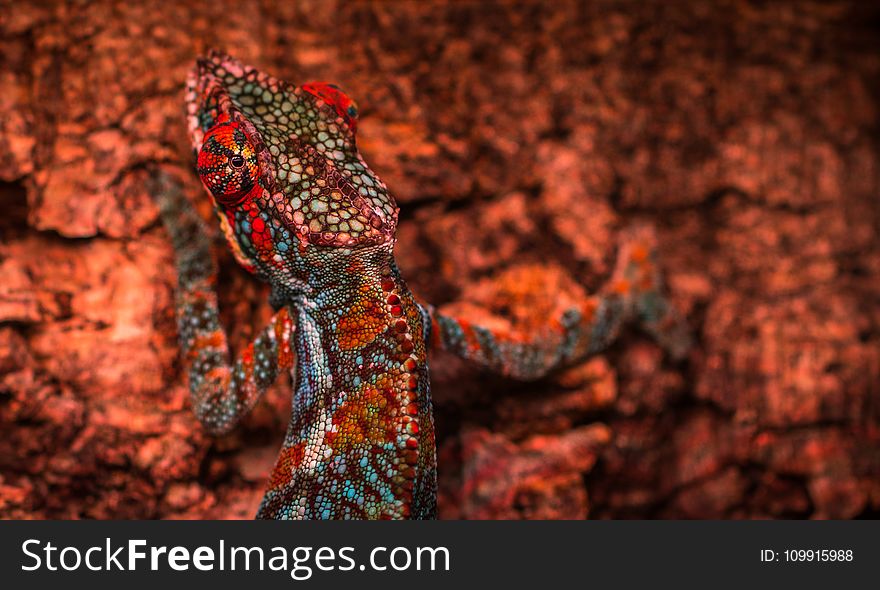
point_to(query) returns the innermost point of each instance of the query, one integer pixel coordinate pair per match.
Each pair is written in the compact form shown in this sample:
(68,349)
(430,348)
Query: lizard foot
(638,279)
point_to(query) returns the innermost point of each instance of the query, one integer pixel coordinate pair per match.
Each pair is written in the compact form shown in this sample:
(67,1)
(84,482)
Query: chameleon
(301,210)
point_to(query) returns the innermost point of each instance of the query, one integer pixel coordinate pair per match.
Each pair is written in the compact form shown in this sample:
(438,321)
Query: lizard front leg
(222,393)
(635,292)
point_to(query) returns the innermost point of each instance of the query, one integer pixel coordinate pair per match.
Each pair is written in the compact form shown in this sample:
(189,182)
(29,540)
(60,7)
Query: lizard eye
(227,164)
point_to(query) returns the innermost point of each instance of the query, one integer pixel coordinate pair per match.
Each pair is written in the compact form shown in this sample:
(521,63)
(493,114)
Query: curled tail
(638,280)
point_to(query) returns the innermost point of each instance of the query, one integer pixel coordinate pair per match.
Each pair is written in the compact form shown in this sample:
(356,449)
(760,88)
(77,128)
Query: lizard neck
(361,438)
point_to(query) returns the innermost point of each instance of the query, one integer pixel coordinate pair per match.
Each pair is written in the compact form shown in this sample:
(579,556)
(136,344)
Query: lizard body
(302,211)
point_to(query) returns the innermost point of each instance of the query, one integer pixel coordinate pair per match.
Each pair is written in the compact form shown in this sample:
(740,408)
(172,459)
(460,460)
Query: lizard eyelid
(227,164)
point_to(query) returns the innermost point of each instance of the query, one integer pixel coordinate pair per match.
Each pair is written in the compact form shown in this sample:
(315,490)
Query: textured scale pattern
(227,164)
(301,210)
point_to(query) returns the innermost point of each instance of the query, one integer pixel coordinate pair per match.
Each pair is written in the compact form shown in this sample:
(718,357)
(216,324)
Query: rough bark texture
(517,139)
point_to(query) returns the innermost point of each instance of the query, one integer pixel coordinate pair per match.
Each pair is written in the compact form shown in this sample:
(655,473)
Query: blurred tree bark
(517,140)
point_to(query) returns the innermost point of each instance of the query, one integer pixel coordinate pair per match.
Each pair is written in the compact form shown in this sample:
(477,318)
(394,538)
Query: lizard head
(282,165)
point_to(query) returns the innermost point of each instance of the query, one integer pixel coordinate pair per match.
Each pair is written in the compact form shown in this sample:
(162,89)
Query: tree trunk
(517,141)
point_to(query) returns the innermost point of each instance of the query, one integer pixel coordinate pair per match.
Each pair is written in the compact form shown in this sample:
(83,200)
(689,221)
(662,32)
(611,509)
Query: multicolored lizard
(302,211)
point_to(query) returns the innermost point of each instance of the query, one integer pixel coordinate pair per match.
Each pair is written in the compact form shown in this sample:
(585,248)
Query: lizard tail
(638,280)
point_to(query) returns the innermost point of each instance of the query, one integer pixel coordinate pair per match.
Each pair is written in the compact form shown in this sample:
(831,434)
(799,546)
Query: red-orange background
(517,138)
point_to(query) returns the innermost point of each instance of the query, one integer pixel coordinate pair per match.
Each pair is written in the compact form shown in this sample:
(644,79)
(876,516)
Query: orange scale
(639,253)
(291,458)
(621,287)
(363,323)
(364,417)
(470,336)
(213,340)
(588,310)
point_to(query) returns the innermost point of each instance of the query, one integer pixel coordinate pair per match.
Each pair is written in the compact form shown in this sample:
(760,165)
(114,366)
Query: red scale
(335,97)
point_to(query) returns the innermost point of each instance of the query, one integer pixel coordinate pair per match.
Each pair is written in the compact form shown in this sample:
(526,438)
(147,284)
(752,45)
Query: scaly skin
(302,211)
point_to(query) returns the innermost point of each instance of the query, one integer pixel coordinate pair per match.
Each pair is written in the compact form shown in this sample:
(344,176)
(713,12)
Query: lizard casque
(302,211)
